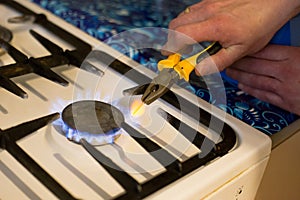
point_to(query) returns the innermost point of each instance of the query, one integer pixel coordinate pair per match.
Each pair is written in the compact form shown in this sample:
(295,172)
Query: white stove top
(71,165)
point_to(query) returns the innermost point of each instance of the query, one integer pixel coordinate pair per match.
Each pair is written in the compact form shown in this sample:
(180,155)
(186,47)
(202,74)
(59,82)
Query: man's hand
(241,27)
(272,75)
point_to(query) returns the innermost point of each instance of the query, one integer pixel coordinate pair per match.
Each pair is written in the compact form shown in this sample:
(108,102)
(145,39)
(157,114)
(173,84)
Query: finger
(206,67)
(219,61)
(177,43)
(258,66)
(185,19)
(273,52)
(191,33)
(257,81)
(192,8)
(202,30)
(188,16)
(263,95)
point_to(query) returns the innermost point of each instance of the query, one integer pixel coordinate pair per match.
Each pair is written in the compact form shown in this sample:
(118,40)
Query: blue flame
(95,139)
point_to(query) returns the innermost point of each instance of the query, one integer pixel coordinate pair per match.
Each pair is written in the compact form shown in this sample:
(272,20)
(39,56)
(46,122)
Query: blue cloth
(283,36)
(289,34)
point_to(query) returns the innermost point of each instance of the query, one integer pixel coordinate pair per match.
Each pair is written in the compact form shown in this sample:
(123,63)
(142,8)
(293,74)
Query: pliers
(171,70)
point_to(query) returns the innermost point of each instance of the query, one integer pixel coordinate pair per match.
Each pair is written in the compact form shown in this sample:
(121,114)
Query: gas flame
(137,108)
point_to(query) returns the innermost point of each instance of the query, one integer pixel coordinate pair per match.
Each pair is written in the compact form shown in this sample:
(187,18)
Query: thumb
(217,62)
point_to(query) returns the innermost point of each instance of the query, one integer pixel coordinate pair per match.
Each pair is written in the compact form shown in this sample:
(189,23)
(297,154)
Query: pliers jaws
(159,85)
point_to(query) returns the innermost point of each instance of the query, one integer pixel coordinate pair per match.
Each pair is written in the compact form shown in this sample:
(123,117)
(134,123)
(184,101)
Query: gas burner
(95,121)
(5,35)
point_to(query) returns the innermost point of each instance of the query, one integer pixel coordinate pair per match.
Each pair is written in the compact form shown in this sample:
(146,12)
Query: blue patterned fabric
(105,18)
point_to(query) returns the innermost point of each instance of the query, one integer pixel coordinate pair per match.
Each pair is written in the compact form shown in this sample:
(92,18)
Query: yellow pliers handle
(186,66)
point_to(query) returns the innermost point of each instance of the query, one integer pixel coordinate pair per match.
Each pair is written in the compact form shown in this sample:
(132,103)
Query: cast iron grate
(41,65)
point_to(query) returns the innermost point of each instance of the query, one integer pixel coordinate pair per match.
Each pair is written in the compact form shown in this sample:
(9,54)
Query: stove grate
(42,65)
(175,169)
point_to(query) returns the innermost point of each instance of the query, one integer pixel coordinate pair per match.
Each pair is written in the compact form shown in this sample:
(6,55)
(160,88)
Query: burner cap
(97,122)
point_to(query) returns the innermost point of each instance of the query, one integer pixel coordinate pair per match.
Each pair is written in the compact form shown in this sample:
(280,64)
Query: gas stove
(68,130)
